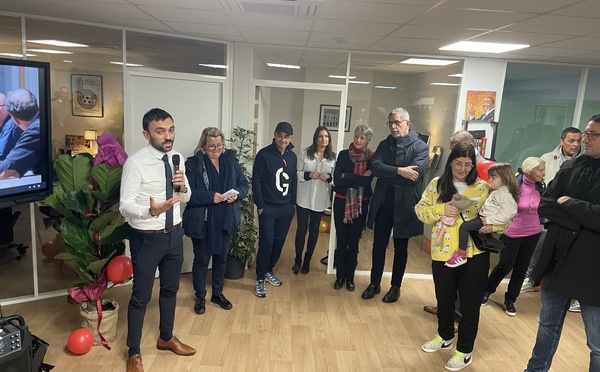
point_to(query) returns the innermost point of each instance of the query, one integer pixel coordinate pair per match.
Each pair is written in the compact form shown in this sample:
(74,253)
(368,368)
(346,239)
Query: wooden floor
(305,325)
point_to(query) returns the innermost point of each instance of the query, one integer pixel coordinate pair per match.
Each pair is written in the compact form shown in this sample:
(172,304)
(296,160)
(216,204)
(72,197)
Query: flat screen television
(25,136)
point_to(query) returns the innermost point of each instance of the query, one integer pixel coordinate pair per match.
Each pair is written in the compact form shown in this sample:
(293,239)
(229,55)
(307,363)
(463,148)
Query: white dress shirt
(314,194)
(144,176)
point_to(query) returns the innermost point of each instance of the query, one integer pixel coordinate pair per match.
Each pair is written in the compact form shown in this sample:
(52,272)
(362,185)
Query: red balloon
(482,169)
(48,250)
(119,269)
(427,246)
(80,341)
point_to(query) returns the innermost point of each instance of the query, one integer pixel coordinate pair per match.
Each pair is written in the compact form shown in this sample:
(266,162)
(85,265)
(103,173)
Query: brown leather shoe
(134,363)
(430,309)
(175,346)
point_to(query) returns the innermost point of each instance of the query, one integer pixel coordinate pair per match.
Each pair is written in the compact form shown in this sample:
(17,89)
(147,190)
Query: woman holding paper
(213,212)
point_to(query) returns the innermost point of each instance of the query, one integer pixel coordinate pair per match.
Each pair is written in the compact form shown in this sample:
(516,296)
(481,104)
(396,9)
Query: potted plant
(85,212)
(243,242)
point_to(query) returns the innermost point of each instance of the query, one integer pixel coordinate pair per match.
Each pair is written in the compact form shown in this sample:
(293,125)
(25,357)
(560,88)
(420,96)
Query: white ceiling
(559,31)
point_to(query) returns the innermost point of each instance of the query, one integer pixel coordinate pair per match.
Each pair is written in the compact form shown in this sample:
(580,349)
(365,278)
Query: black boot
(305,266)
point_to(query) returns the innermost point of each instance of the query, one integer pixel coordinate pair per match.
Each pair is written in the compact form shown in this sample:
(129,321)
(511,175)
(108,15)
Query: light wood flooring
(305,325)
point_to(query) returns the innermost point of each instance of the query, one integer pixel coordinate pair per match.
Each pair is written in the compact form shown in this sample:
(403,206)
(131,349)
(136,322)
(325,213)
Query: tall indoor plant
(86,214)
(243,242)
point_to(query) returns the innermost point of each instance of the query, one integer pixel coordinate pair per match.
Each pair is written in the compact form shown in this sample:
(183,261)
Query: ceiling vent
(301,8)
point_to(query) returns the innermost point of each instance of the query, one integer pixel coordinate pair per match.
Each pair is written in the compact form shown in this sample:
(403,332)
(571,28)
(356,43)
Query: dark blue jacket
(194,215)
(274,177)
(391,154)
(27,153)
(9,136)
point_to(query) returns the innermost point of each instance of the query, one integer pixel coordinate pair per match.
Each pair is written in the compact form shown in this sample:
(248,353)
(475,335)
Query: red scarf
(354,197)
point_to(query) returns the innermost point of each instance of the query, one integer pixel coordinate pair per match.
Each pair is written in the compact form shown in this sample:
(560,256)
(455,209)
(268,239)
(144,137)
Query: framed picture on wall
(330,117)
(485,136)
(87,95)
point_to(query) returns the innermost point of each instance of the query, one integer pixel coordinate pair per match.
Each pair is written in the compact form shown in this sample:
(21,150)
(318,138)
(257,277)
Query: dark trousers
(303,216)
(469,279)
(273,226)
(384,223)
(202,254)
(348,236)
(149,252)
(463,231)
(515,256)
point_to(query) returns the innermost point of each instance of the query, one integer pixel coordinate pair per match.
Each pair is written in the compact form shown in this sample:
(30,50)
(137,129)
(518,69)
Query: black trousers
(149,252)
(273,226)
(384,223)
(348,237)
(202,255)
(515,256)
(307,220)
(469,279)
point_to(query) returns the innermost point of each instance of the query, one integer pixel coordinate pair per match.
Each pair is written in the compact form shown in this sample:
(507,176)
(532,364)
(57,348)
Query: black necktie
(169,177)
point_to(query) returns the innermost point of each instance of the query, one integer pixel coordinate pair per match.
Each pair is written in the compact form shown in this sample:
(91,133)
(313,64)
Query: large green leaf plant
(86,201)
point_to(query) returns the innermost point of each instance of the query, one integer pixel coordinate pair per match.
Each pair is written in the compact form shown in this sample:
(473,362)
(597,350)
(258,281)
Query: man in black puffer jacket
(570,258)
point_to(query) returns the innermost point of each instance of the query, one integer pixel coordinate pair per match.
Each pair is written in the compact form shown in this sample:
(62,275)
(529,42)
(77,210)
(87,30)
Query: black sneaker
(200,306)
(486,297)
(370,292)
(510,308)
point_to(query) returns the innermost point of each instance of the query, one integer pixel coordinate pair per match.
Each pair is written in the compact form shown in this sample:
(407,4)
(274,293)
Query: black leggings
(463,231)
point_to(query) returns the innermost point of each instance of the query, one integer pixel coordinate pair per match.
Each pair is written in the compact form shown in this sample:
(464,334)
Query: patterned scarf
(354,197)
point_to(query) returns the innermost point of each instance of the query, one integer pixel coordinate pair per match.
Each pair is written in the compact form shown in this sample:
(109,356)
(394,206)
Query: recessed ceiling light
(281,65)
(59,43)
(429,62)
(445,84)
(49,51)
(358,82)
(211,65)
(67,61)
(474,46)
(384,87)
(456,75)
(17,55)
(341,77)
(127,64)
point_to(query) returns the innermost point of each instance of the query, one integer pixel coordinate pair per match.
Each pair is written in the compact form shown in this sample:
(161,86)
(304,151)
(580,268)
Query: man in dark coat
(399,164)
(570,259)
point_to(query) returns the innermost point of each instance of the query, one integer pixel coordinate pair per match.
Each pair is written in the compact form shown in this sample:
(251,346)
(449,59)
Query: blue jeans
(552,317)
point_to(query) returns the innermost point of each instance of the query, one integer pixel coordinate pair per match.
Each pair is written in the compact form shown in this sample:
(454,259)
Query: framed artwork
(330,117)
(485,136)
(481,105)
(87,95)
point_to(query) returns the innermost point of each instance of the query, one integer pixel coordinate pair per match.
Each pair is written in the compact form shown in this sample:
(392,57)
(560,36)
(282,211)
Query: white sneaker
(575,307)
(436,344)
(527,286)
(459,361)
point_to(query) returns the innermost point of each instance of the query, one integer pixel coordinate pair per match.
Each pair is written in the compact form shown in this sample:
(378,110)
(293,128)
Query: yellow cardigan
(429,210)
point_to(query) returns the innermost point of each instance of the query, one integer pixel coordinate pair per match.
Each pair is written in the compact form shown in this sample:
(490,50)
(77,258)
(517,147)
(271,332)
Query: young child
(499,209)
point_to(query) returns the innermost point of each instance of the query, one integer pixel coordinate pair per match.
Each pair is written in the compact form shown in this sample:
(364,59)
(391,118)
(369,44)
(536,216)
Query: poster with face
(481,105)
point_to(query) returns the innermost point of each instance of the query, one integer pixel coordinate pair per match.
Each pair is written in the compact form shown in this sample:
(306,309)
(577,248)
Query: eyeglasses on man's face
(396,123)
(214,147)
(591,135)
(457,164)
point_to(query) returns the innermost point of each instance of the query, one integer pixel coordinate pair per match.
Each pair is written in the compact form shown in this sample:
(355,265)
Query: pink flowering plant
(85,204)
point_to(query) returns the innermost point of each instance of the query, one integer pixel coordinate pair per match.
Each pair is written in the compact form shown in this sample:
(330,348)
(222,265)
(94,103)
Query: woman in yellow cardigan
(460,176)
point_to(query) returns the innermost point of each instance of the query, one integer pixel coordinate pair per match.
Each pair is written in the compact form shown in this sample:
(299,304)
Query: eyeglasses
(591,135)
(214,147)
(396,123)
(459,165)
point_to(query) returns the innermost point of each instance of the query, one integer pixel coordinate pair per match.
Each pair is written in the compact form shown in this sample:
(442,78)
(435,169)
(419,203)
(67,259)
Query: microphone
(176,161)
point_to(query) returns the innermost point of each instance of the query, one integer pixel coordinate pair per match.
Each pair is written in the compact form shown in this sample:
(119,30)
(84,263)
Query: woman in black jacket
(352,185)
(213,212)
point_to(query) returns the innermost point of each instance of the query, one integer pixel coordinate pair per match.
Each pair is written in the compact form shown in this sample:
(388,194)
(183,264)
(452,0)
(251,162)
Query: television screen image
(25,138)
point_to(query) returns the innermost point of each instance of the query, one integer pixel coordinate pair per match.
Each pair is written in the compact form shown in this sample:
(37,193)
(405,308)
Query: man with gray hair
(399,164)
(23,107)
(465,136)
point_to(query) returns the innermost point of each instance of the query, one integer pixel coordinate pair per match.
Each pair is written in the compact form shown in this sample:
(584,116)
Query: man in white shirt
(152,208)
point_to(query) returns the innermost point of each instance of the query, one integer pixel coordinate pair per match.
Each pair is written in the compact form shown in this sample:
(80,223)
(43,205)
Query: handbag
(485,242)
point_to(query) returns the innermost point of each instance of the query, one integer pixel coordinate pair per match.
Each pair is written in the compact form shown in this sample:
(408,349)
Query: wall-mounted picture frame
(329,117)
(87,95)
(485,136)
